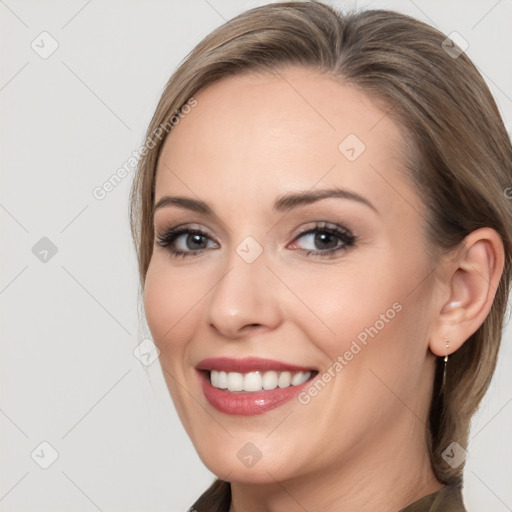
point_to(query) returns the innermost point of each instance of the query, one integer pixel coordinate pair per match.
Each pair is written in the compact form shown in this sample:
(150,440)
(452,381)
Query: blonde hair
(459,154)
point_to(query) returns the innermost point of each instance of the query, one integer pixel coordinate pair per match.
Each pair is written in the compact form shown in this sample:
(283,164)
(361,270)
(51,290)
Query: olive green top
(448,499)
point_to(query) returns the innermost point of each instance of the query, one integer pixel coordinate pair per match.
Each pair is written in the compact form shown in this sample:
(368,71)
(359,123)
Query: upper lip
(248,364)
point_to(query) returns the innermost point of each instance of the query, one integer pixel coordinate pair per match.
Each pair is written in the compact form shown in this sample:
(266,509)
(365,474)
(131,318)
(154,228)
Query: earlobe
(473,278)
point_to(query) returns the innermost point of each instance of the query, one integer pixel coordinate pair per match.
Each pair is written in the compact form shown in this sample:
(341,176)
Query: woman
(324,248)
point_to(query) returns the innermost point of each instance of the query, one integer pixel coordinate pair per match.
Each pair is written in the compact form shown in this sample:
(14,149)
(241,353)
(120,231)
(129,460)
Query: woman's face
(300,248)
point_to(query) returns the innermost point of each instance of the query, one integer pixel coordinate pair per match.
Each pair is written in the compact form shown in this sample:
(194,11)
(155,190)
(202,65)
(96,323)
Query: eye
(324,239)
(186,241)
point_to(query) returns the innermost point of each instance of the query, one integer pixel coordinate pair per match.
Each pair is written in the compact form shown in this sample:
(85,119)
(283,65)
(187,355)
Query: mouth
(252,385)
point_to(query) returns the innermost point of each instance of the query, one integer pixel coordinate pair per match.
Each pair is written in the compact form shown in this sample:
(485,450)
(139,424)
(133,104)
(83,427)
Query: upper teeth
(256,381)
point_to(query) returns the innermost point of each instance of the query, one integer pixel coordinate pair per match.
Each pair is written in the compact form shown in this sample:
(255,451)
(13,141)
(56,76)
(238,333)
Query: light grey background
(70,324)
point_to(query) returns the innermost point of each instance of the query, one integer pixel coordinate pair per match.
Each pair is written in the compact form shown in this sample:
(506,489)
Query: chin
(240,460)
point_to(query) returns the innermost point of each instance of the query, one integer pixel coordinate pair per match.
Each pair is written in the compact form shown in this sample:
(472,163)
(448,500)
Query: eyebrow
(284,203)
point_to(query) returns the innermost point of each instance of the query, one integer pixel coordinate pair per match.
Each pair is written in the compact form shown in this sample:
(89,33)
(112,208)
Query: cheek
(172,309)
(343,301)
(347,310)
(171,305)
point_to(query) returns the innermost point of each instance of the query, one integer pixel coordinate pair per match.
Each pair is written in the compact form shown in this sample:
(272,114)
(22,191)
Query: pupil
(323,240)
(195,239)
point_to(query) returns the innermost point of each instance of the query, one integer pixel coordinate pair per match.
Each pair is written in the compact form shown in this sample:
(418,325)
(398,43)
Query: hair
(458,152)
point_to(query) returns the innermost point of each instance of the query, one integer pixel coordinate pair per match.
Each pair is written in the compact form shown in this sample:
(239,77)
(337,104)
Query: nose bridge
(242,296)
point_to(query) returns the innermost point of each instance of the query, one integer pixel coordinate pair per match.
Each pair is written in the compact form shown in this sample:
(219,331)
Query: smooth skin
(359,444)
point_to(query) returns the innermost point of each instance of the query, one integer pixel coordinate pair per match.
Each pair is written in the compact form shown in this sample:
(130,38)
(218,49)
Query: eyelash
(346,237)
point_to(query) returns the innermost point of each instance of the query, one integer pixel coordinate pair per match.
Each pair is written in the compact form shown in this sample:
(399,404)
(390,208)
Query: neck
(385,476)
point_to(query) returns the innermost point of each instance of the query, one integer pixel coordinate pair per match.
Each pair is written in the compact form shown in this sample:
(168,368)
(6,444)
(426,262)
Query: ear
(470,279)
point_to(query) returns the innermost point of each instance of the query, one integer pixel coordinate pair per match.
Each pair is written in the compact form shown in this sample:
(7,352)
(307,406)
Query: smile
(251,386)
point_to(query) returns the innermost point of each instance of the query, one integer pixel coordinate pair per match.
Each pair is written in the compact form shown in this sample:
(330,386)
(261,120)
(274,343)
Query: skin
(360,443)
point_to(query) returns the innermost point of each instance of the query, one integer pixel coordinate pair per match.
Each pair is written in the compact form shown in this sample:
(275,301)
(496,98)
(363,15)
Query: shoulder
(217,498)
(447,499)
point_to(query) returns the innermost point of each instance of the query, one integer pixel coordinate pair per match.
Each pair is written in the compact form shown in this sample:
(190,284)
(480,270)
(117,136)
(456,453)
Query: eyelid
(193,226)
(319,225)
(171,220)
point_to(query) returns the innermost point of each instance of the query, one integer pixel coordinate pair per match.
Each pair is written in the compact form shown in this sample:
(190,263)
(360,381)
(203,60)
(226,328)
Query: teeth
(300,378)
(252,381)
(269,380)
(235,381)
(256,381)
(223,380)
(284,380)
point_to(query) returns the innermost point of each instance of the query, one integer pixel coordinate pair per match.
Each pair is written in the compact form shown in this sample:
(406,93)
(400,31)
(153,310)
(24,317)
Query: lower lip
(248,403)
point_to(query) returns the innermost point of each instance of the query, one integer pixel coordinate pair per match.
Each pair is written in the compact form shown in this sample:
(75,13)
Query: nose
(243,300)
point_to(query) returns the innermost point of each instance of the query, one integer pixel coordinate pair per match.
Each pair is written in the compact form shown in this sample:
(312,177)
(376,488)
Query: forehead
(252,137)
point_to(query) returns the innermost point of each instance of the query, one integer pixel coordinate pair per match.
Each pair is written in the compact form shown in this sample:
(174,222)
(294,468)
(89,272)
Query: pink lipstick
(251,385)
